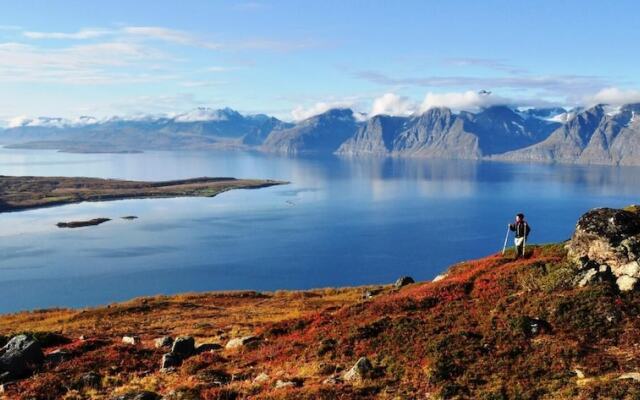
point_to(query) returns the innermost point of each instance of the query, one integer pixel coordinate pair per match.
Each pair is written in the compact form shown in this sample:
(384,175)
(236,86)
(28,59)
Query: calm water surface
(340,222)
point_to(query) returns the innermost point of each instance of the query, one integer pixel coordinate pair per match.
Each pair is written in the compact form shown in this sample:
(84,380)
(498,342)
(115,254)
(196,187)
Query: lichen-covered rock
(207,347)
(165,341)
(360,370)
(183,346)
(170,360)
(606,245)
(403,281)
(19,355)
(285,384)
(91,380)
(261,378)
(132,339)
(626,283)
(245,341)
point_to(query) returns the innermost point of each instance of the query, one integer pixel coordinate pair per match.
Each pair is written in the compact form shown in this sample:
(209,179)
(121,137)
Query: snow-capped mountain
(600,134)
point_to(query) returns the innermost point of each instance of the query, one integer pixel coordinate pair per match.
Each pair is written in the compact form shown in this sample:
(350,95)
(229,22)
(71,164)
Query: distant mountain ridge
(597,135)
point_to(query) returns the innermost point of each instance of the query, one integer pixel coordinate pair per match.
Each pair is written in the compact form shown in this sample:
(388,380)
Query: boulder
(285,384)
(170,360)
(91,380)
(19,355)
(403,281)
(630,375)
(439,277)
(606,246)
(165,341)
(626,283)
(132,340)
(261,378)
(183,346)
(360,370)
(245,341)
(207,347)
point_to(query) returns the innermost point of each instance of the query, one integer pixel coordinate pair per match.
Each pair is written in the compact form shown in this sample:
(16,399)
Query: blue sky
(296,58)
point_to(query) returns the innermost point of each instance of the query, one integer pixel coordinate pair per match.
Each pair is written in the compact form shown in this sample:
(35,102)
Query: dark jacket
(520,228)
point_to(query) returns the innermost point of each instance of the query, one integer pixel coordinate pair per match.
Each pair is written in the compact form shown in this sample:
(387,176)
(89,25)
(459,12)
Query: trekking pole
(524,240)
(504,247)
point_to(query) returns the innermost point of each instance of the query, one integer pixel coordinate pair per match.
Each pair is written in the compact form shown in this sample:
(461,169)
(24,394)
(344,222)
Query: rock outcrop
(360,370)
(245,341)
(19,356)
(606,245)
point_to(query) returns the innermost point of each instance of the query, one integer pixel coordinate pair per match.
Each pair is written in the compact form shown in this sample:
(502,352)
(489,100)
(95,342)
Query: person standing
(522,230)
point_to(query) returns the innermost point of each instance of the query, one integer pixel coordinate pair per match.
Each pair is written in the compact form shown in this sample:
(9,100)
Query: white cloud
(614,97)
(82,34)
(392,104)
(99,63)
(300,113)
(468,101)
(170,35)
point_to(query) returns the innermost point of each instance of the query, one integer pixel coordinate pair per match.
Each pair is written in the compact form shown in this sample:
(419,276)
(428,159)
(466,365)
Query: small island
(81,224)
(27,192)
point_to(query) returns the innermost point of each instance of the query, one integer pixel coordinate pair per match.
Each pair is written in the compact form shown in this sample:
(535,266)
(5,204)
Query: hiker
(522,229)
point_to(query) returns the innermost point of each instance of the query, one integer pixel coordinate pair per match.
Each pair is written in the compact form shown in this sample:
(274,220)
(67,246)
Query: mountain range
(596,135)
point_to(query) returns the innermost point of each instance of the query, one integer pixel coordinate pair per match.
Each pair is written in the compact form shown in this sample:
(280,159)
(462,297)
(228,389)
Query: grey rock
(170,360)
(285,384)
(91,380)
(360,370)
(245,341)
(403,281)
(165,341)
(261,378)
(183,346)
(131,339)
(19,355)
(609,239)
(205,347)
(588,277)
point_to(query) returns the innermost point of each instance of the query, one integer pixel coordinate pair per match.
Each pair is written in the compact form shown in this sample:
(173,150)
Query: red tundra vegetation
(494,328)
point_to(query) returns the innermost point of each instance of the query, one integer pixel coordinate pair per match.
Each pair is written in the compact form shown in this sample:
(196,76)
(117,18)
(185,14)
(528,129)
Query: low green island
(19,193)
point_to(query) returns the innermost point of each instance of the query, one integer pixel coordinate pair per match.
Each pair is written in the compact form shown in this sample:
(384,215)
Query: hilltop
(560,324)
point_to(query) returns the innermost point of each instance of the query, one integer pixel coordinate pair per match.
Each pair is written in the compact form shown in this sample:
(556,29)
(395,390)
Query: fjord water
(341,221)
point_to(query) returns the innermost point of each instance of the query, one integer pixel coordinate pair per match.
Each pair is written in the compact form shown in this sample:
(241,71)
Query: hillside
(560,324)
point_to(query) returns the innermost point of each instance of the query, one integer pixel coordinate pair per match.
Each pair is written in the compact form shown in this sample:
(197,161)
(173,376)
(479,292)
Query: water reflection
(341,221)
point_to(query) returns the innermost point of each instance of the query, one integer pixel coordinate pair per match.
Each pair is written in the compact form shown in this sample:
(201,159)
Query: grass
(470,335)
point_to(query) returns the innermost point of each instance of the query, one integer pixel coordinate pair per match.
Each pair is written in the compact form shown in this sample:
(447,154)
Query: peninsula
(26,192)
